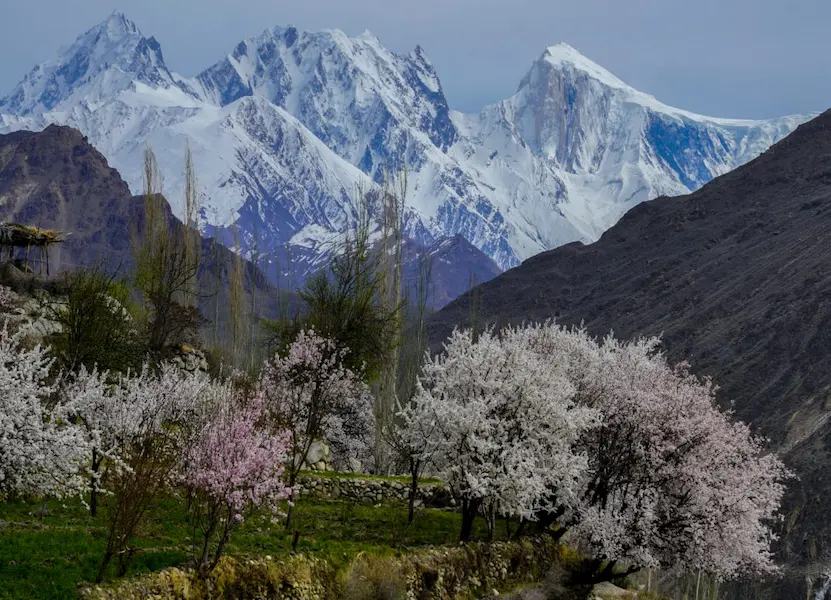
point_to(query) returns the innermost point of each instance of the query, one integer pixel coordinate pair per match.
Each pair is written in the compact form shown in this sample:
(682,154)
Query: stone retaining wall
(371,491)
(452,573)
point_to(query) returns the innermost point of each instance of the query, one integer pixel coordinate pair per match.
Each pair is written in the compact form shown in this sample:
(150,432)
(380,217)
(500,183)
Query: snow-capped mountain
(258,167)
(289,126)
(109,57)
(378,111)
(596,147)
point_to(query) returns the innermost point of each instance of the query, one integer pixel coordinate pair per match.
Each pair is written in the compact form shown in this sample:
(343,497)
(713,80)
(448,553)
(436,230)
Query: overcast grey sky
(728,58)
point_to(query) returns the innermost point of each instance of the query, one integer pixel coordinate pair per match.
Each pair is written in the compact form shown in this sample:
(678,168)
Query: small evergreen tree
(346,303)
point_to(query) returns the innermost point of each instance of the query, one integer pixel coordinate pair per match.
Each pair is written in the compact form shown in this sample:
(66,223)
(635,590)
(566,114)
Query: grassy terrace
(396,478)
(49,557)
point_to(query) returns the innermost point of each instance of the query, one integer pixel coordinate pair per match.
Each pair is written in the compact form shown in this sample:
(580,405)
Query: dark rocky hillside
(455,266)
(55,179)
(737,278)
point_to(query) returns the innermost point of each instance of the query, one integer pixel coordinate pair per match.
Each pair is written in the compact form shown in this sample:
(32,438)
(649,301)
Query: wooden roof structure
(15,235)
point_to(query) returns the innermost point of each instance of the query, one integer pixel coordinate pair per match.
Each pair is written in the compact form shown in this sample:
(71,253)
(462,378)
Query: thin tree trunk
(108,555)
(413,491)
(523,523)
(123,561)
(292,481)
(206,546)
(469,510)
(93,492)
(110,552)
(226,534)
(490,521)
(290,513)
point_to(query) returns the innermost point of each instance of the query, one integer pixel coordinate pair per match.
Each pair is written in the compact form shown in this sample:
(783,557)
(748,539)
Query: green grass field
(49,557)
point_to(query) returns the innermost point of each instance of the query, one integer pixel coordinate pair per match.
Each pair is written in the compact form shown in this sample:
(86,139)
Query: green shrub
(374,578)
(98,325)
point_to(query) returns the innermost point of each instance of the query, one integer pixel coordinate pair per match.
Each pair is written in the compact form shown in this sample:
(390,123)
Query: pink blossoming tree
(312,395)
(232,463)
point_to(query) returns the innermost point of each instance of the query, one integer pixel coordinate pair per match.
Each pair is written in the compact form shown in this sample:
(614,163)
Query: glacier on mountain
(287,128)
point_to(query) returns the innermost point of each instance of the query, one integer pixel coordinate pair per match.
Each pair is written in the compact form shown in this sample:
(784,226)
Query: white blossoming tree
(604,439)
(501,426)
(672,480)
(40,455)
(137,425)
(6,299)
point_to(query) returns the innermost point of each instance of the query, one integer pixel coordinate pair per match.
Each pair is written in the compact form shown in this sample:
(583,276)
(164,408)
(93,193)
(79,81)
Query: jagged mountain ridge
(290,123)
(55,179)
(736,278)
(243,152)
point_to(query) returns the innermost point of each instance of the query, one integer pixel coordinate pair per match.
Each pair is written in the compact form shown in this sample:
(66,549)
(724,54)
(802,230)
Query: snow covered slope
(258,166)
(577,140)
(290,124)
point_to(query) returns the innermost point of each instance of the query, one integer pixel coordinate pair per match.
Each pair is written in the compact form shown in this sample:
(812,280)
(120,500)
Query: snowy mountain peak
(368,36)
(117,26)
(562,67)
(563,55)
(108,58)
(376,109)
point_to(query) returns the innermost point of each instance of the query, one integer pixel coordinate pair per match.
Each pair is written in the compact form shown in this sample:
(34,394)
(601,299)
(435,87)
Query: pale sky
(725,58)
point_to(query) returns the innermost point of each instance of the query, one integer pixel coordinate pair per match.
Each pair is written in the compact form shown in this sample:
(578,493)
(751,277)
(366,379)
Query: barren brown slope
(737,277)
(55,179)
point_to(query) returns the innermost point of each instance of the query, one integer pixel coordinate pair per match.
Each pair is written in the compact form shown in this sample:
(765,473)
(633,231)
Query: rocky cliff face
(54,179)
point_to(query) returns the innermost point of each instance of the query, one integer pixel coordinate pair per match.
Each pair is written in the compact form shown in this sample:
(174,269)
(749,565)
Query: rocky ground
(552,591)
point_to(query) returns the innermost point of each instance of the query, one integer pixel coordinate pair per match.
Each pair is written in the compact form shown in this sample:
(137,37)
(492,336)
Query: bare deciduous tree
(167,263)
